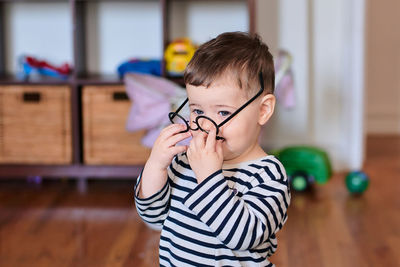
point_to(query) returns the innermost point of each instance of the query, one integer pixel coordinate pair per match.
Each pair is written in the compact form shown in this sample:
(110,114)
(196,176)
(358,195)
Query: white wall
(203,20)
(325,39)
(28,31)
(383,67)
(118,31)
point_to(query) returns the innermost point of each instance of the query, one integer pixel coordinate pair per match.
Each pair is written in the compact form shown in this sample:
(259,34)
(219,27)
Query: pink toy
(284,81)
(153,98)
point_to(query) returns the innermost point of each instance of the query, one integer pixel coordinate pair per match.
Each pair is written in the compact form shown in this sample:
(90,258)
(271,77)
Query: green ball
(357,182)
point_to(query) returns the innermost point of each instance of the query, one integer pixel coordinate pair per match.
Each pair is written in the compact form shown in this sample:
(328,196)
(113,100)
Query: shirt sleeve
(245,222)
(154,209)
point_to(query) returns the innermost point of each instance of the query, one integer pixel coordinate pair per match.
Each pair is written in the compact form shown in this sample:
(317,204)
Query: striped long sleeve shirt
(230,219)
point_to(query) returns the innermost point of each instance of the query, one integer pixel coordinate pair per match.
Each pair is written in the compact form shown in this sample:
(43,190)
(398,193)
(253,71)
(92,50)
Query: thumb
(211,139)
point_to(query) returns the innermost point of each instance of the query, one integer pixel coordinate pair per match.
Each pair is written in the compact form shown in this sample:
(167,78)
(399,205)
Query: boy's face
(218,102)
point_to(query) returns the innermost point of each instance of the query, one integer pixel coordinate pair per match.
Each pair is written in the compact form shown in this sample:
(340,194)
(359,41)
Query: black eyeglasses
(202,120)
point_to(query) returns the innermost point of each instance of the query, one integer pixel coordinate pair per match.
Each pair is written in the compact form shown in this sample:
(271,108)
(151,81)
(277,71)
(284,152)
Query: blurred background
(72,142)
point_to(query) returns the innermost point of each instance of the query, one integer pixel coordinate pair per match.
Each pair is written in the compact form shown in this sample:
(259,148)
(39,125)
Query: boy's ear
(267,106)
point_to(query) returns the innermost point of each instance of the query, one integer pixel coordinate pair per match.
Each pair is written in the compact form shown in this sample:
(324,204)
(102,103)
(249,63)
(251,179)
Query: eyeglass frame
(172,115)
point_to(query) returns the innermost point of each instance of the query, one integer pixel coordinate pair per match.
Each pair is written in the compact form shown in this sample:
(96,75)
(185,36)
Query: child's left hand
(205,154)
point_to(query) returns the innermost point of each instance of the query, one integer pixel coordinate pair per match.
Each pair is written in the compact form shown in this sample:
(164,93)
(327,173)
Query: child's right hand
(165,148)
(154,173)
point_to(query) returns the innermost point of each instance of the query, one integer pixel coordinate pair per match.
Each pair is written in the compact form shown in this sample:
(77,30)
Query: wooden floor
(54,225)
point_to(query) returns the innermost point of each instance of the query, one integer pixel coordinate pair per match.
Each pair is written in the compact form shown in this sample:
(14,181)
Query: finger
(174,139)
(192,149)
(189,152)
(211,139)
(192,145)
(200,140)
(171,130)
(171,126)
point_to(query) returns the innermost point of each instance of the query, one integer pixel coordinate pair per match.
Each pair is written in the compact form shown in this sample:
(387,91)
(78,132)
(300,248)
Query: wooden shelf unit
(79,78)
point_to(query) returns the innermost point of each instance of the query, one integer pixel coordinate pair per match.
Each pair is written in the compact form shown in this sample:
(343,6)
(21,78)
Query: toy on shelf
(151,66)
(30,65)
(177,56)
(284,80)
(357,182)
(153,98)
(305,166)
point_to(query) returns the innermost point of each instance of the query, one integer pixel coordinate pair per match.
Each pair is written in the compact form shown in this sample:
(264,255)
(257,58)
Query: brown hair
(240,54)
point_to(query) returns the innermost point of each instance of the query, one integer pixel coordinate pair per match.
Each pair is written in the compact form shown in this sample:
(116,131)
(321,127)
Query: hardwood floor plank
(119,252)
(144,252)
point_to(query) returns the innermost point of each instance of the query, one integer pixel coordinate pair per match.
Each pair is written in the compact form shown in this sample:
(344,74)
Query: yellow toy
(177,56)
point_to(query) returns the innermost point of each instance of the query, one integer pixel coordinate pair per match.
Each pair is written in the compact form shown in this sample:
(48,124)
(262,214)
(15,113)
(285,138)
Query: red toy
(31,65)
(64,69)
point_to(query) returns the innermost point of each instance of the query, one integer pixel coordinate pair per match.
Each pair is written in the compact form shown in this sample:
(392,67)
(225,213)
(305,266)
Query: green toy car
(305,165)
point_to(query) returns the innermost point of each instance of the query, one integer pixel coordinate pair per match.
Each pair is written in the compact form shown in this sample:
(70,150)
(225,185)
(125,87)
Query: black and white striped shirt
(230,219)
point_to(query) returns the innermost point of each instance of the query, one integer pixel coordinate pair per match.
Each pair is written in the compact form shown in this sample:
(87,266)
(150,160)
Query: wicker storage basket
(106,141)
(35,124)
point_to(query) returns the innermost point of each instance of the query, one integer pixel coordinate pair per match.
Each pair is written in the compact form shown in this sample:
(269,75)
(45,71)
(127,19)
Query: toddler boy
(220,200)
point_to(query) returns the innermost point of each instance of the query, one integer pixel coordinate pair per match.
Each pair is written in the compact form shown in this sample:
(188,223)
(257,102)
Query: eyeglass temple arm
(248,102)
(180,107)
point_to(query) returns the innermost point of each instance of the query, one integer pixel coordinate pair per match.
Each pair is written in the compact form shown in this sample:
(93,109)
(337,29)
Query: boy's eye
(198,112)
(224,113)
